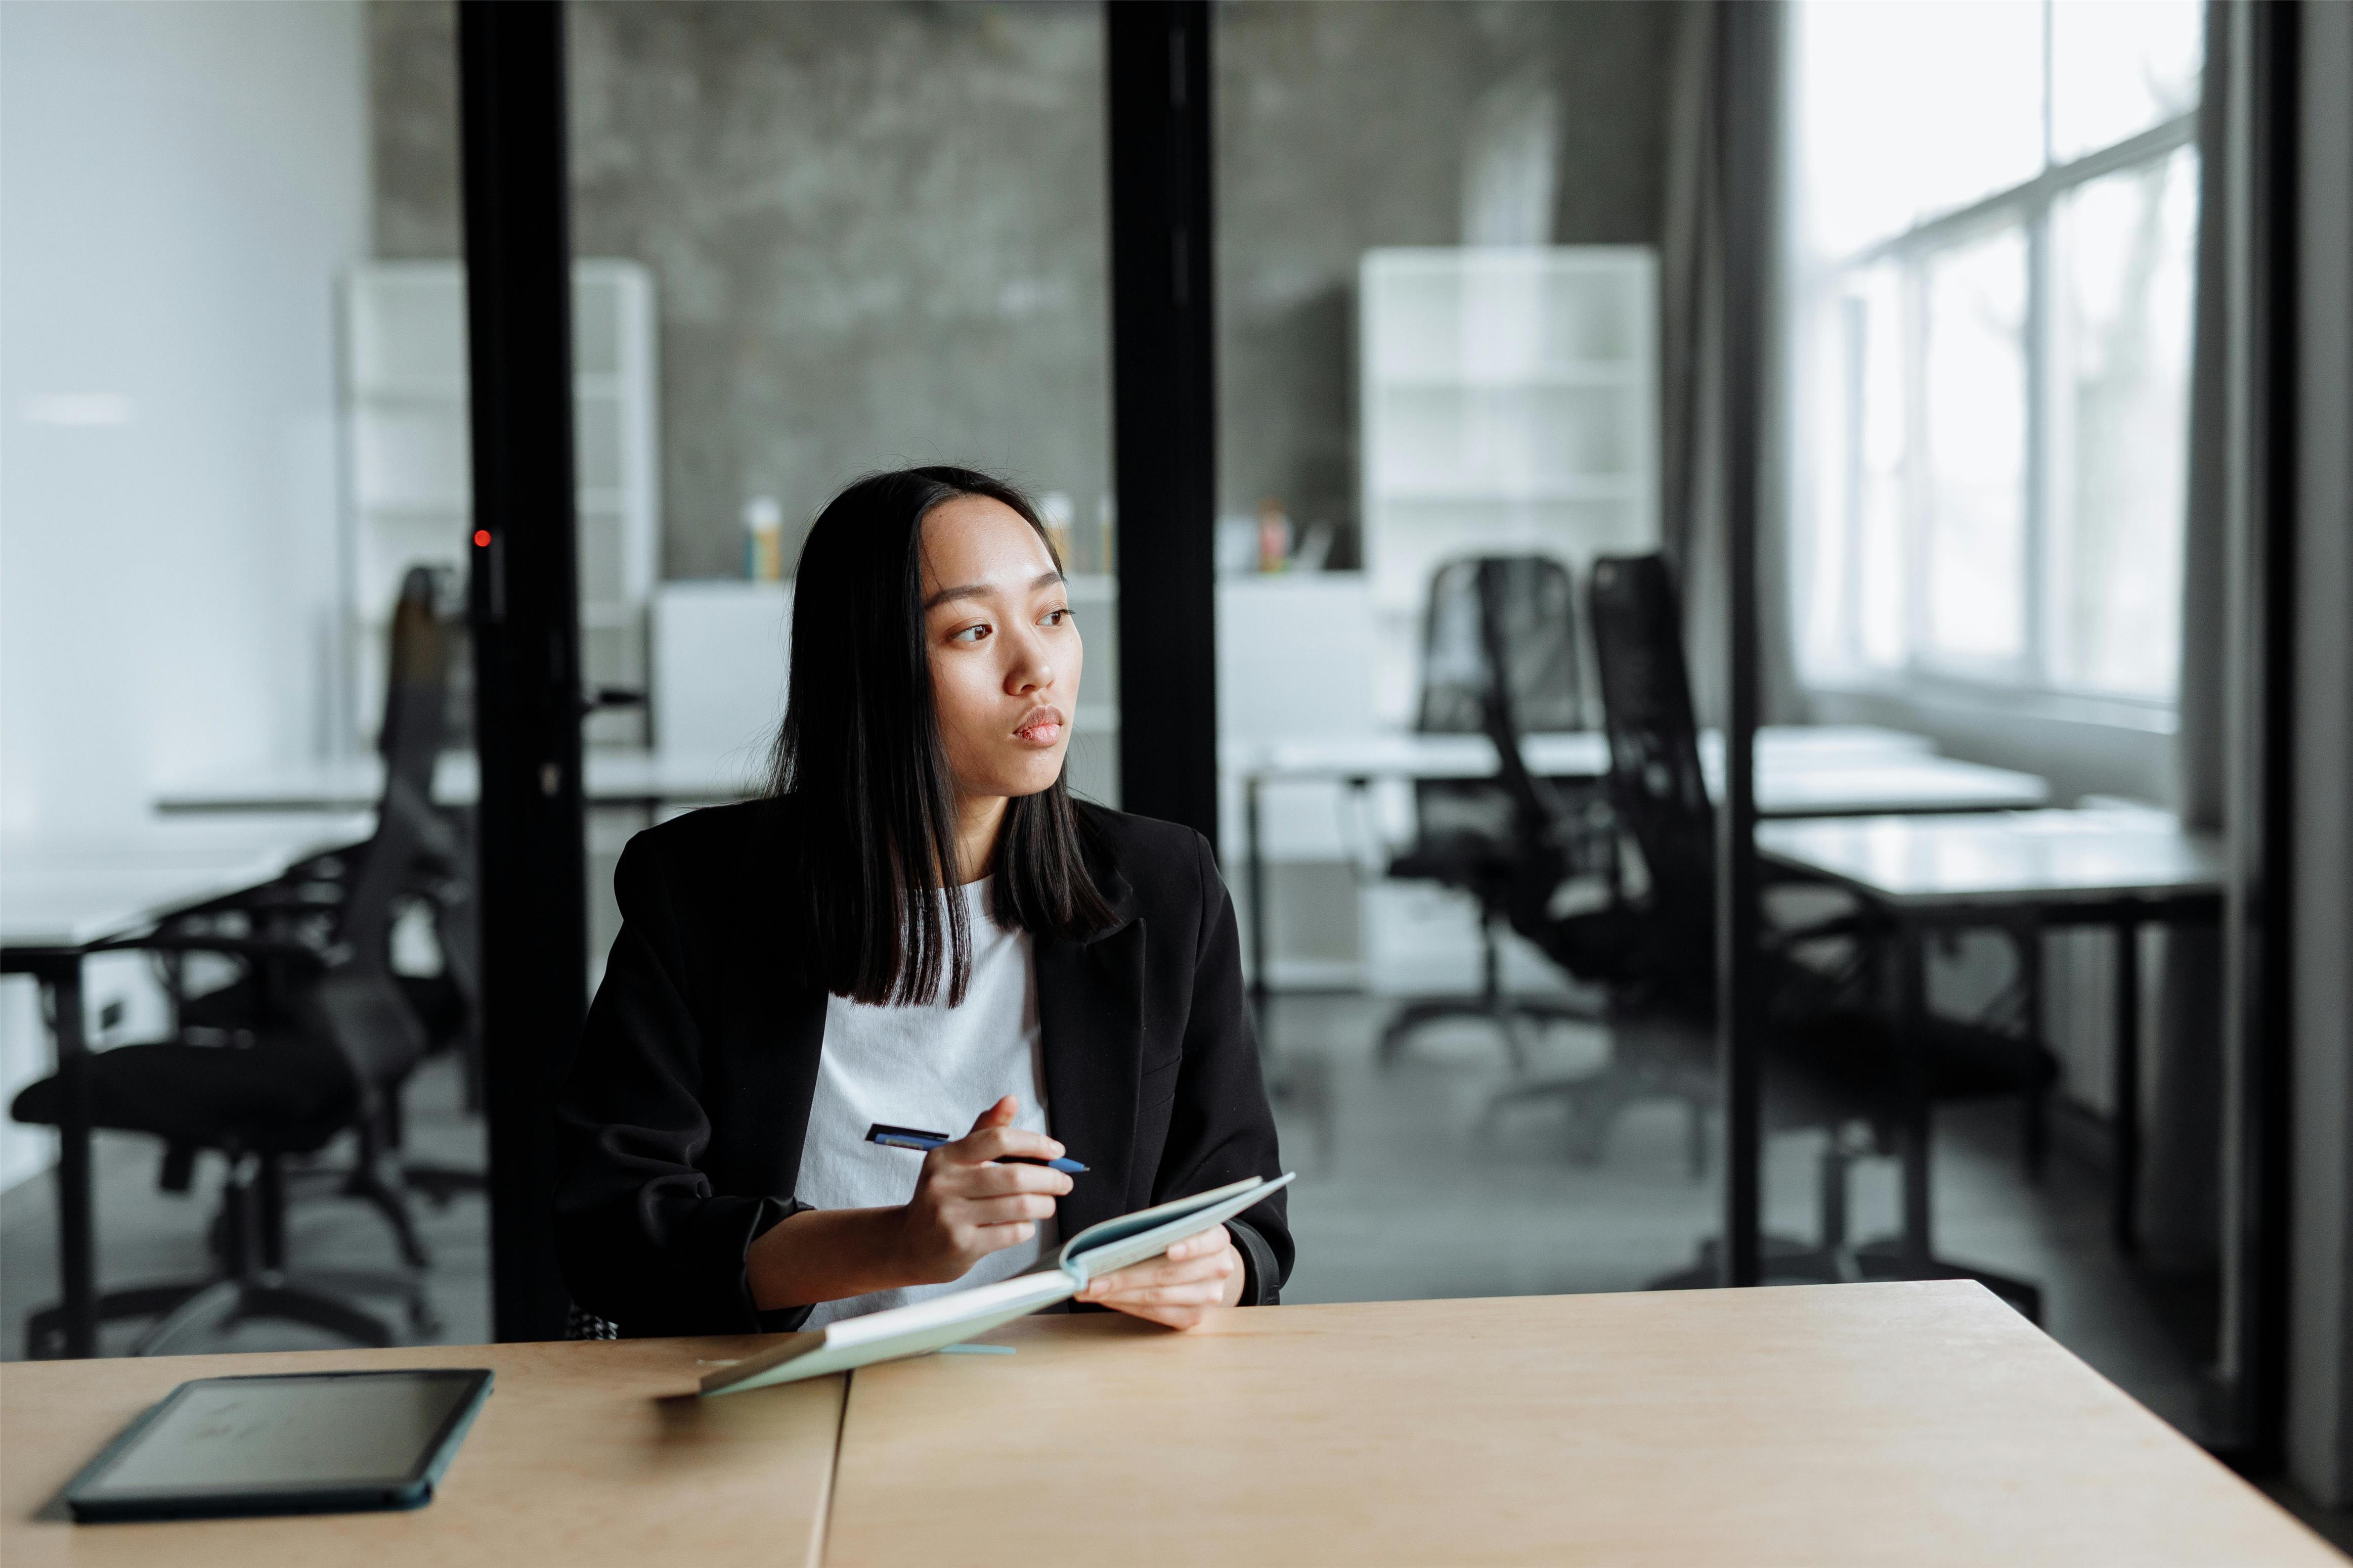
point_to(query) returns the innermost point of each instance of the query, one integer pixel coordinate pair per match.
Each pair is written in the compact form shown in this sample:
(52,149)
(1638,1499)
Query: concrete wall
(1345,126)
(878,230)
(179,185)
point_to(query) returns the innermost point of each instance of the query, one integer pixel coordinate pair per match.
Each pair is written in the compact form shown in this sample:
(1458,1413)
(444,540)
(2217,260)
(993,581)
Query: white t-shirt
(934,1068)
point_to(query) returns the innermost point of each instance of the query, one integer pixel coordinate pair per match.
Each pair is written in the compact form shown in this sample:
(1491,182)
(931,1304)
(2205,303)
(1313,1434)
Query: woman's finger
(1199,1293)
(985,1143)
(1000,1180)
(1159,1271)
(1003,1211)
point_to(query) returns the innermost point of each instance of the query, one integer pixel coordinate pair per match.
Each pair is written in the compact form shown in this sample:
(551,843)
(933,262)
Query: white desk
(2093,856)
(1582,754)
(66,893)
(1801,770)
(609,778)
(58,898)
(2024,869)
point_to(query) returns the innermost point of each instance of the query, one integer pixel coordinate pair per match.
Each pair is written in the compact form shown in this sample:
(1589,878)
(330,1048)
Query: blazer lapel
(1090,1021)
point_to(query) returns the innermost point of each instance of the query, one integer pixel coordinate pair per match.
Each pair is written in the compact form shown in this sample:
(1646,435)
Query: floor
(1406,1189)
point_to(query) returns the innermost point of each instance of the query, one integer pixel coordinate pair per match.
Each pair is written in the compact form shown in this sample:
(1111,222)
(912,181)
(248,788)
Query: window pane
(2118,66)
(1906,110)
(1976,413)
(2124,254)
(1879,467)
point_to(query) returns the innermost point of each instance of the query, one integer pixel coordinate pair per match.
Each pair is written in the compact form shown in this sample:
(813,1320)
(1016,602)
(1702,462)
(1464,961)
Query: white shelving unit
(1508,402)
(404,401)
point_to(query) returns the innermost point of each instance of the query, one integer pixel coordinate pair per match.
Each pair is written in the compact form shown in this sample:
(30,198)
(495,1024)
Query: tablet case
(415,1491)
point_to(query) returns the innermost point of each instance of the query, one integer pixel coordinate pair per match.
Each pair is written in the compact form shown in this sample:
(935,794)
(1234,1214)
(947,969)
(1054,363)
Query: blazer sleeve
(1221,1128)
(639,1235)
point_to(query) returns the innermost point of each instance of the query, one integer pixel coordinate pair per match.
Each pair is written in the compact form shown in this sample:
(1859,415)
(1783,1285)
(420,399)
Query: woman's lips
(1042,727)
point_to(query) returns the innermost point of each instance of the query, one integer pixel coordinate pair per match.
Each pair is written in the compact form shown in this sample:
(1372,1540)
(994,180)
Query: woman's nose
(1029,670)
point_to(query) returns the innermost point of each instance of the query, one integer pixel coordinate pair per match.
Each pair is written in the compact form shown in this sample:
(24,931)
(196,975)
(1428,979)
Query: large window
(1997,213)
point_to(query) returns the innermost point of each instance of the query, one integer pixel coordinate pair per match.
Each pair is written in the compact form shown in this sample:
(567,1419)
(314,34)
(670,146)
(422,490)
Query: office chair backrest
(1518,609)
(1516,614)
(360,1004)
(1656,787)
(417,682)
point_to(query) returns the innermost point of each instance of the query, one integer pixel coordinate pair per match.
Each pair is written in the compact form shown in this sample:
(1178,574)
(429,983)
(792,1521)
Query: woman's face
(1004,652)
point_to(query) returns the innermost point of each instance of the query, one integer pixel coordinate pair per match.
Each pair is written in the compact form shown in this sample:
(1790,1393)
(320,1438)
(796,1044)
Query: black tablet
(305,1442)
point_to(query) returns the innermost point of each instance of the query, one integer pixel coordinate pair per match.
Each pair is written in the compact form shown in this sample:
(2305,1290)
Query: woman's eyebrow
(976,590)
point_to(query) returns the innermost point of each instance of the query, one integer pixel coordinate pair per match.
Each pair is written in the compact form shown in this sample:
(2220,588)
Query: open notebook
(924,1326)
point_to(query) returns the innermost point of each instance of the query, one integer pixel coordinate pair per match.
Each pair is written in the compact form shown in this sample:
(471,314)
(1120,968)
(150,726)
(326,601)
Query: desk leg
(2125,1193)
(77,1263)
(1912,1013)
(1256,873)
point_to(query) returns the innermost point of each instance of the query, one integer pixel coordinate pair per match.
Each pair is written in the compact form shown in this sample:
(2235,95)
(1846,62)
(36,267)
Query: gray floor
(1401,1193)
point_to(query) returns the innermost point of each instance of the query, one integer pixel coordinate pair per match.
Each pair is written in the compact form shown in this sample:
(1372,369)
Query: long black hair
(860,753)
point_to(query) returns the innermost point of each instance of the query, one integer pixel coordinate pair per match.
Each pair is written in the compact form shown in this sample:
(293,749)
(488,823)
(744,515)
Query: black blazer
(679,1132)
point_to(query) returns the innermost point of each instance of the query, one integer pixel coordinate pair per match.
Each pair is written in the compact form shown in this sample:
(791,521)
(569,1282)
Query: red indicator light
(482,536)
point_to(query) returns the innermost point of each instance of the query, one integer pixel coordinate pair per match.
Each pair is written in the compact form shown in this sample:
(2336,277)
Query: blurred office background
(1474,269)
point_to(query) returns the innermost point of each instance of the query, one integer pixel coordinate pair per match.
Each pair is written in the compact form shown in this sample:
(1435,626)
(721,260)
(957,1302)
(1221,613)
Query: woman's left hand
(1179,1287)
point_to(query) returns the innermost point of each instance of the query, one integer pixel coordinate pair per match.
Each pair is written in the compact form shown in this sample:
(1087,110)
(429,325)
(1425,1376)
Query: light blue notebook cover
(924,1326)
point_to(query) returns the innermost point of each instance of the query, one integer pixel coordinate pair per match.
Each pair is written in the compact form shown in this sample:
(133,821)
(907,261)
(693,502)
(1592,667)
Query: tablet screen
(267,1434)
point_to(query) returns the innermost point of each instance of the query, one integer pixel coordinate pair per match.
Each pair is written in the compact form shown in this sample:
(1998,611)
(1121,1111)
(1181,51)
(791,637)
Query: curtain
(1694,261)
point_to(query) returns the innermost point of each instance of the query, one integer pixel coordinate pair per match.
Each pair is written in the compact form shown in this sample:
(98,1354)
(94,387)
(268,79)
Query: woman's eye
(1061,617)
(969,634)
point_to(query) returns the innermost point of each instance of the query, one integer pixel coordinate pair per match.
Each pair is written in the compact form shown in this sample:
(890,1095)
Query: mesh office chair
(302,905)
(1505,623)
(315,1037)
(1831,1058)
(328,1029)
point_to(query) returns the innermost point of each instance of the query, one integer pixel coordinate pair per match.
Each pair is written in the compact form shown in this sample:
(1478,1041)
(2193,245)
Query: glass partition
(1438,297)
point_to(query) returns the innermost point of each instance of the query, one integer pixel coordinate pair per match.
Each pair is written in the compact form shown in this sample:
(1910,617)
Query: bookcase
(409,473)
(1507,403)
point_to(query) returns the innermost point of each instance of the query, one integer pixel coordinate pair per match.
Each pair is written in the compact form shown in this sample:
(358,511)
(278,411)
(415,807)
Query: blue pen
(915,1138)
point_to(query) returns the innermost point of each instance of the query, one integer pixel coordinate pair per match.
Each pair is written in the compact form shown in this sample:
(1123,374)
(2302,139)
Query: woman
(919,928)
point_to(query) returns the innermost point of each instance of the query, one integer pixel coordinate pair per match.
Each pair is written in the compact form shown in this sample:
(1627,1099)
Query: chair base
(386,1195)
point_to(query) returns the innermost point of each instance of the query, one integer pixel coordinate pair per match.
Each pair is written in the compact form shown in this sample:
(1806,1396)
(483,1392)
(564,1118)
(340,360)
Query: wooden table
(587,1454)
(1914,1424)
(2122,867)
(1919,1423)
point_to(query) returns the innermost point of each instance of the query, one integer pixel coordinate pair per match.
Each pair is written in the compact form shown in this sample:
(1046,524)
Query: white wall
(180,185)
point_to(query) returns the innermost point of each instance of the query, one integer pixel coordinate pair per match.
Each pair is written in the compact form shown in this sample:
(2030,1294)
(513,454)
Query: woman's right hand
(967,1207)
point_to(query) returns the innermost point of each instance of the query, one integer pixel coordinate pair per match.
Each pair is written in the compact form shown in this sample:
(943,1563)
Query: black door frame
(1164,405)
(523,612)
